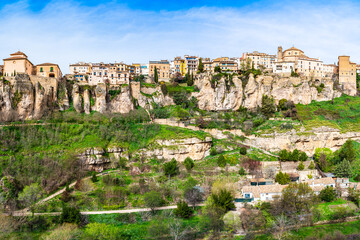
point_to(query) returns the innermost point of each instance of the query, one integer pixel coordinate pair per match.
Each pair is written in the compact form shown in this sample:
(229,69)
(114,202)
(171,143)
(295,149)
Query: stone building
(259,60)
(225,64)
(163,69)
(48,70)
(18,63)
(347,75)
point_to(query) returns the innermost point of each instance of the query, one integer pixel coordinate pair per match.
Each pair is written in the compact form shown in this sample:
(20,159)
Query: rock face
(87,104)
(100,102)
(98,159)
(180,149)
(23,98)
(149,96)
(227,95)
(322,137)
(122,103)
(77,98)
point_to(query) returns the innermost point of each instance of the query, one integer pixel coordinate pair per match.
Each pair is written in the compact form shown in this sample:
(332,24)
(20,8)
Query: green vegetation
(282,178)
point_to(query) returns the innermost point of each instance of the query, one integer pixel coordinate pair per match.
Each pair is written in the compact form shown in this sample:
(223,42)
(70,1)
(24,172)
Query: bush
(242,172)
(311,165)
(243,150)
(70,215)
(223,199)
(301,166)
(343,169)
(189,164)
(153,200)
(328,194)
(164,89)
(213,151)
(171,168)
(94,177)
(268,106)
(221,161)
(183,210)
(341,213)
(282,178)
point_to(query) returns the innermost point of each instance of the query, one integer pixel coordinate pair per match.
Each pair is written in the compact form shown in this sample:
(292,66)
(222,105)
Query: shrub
(311,165)
(301,166)
(183,210)
(221,161)
(341,213)
(164,89)
(242,172)
(213,151)
(70,215)
(268,106)
(328,194)
(94,177)
(189,164)
(243,150)
(171,168)
(153,200)
(223,199)
(343,169)
(282,178)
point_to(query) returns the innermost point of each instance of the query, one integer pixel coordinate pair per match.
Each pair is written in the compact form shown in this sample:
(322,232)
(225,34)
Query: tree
(31,194)
(347,151)
(217,69)
(268,106)
(183,210)
(354,196)
(303,157)
(243,150)
(164,89)
(295,155)
(201,66)
(221,161)
(153,200)
(242,171)
(343,169)
(189,164)
(70,215)
(328,194)
(94,177)
(223,199)
(311,165)
(193,196)
(280,226)
(190,80)
(171,168)
(301,166)
(282,104)
(297,199)
(156,75)
(282,178)
(283,155)
(232,222)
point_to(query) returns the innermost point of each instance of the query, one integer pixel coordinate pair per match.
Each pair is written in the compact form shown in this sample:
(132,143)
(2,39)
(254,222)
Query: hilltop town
(225,147)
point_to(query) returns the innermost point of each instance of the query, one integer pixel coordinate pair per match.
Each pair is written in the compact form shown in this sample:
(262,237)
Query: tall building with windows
(179,66)
(260,60)
(191,64)
(80,71)
(163,69)
(347,75)
(18,63)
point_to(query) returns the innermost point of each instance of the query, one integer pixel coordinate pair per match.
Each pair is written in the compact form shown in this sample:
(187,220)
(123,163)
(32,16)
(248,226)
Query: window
(51,69)
(41,69)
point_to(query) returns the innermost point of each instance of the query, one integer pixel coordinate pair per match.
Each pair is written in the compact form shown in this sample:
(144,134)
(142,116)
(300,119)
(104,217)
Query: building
(137,68)
(111,73)
(18,63)
(191,64)
(80,71)
(163,69)
(225,64)
(261,60)
(347,75)
(294,60)
(48,70)
(144,69)
(179,66)
(329,70)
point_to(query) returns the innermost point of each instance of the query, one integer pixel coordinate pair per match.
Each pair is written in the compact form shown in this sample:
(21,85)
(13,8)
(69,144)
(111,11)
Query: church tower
(280,54)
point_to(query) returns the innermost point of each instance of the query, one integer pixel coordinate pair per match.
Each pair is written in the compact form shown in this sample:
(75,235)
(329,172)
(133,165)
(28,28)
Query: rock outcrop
(77,98)
(122,102)
(100,101)
(87,103)
(307,142)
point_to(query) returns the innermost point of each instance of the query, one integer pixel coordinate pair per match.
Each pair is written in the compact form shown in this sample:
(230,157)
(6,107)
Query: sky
(136,31)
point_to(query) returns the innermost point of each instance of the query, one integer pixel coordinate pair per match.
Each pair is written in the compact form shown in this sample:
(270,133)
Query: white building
(80,70)
(261,59)
(108,74)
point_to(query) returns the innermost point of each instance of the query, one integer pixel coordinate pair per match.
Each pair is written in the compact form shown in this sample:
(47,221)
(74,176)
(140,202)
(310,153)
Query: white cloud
(65,32)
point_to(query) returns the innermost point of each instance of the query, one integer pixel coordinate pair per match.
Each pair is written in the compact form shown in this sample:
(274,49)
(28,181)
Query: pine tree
(201,66)
(156,75)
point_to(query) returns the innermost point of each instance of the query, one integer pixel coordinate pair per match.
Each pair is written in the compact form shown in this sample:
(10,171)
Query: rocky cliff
(229,94)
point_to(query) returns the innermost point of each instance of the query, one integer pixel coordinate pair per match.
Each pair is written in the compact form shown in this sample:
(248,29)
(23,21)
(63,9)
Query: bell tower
(280,54)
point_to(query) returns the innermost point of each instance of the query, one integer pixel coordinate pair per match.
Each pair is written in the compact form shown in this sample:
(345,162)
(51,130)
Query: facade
(259,60)
(112,73)
(347,75)
(179,66)
(80,71)
(18,63)
(191,64)
(329,70)
(144,69)
(225,64)
(295,60)
(163,69)
(137,68)
(48,70)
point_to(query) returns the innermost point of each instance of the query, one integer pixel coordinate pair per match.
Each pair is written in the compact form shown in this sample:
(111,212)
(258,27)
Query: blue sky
(67,31)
